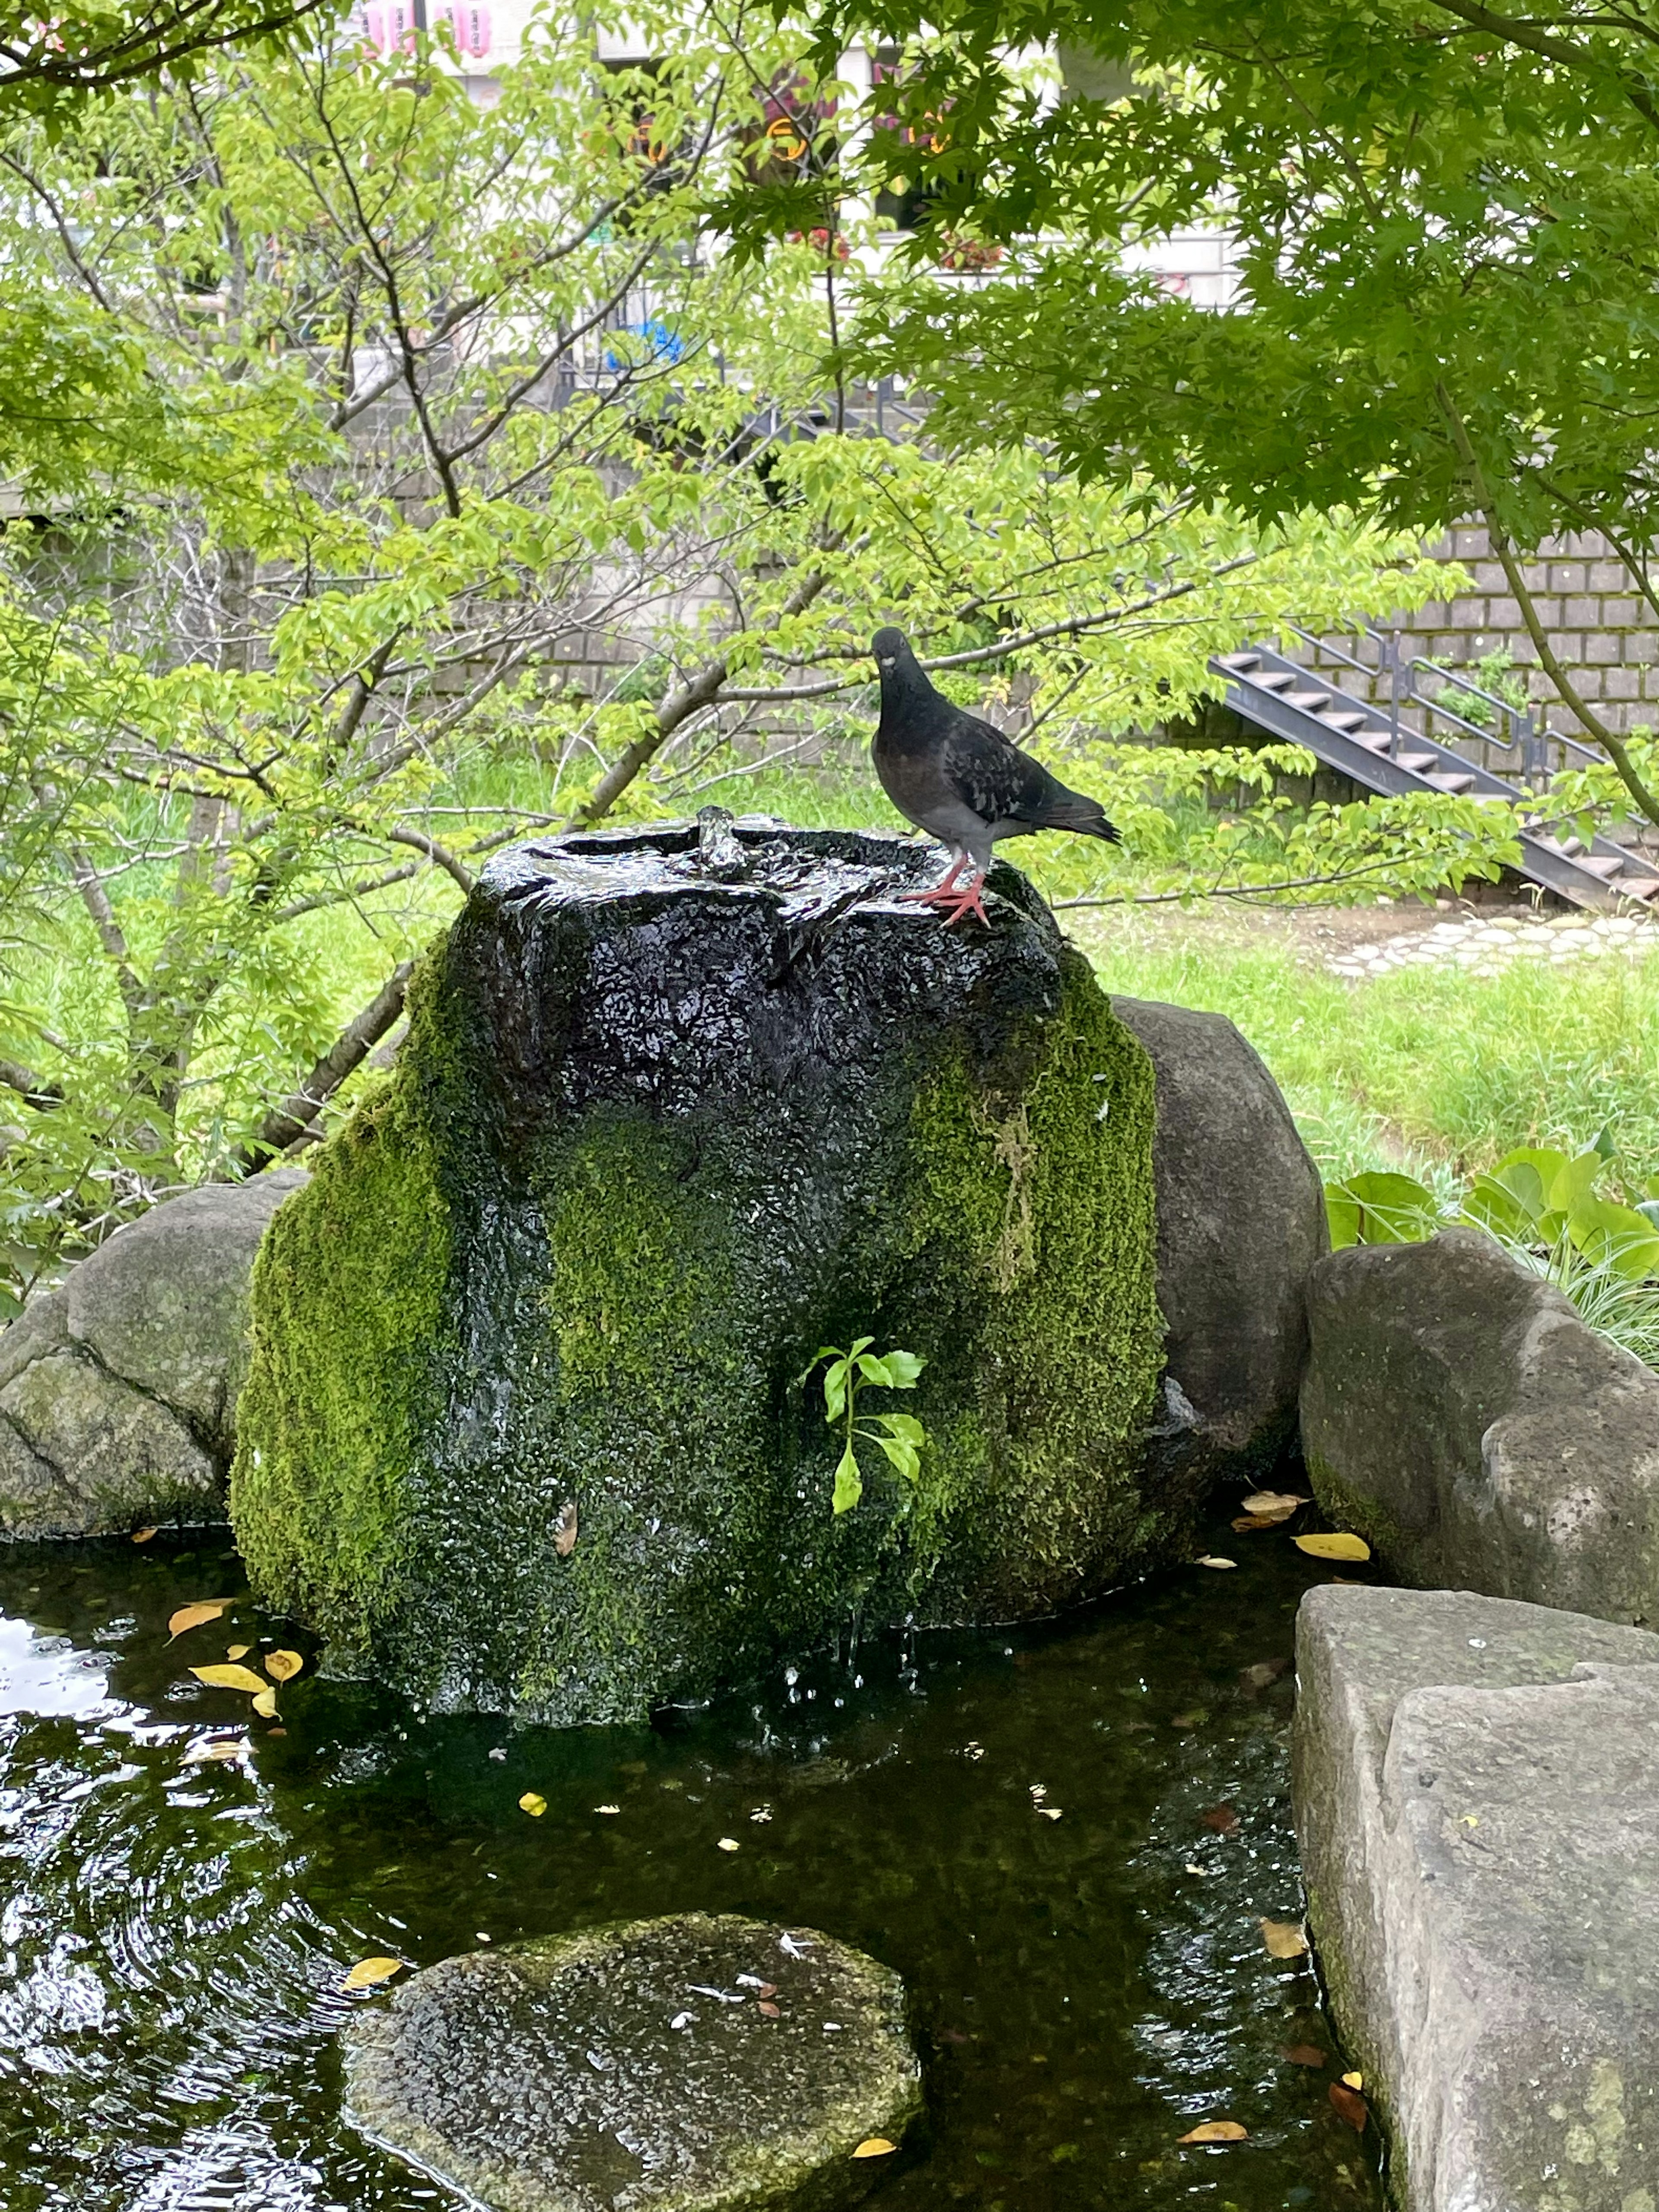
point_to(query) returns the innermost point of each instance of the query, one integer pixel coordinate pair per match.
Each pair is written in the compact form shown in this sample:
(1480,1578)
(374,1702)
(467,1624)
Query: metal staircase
(1374,745)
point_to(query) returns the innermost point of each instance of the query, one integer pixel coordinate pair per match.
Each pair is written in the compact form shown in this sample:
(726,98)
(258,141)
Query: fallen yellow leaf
(367,1972)
(534,1803)
(1283,1938)
(1354,2080)
(1209,1560)
(265,1704)
(1280,1505)
(142,1536)
(229,1678)
(1332,1547)
(1217,2131)
(875,2147)
(283,1666)
(192,1616)
(237,1650)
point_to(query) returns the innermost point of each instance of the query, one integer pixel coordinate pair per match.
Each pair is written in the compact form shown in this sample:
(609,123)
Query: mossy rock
(672,1115)
(634,2065)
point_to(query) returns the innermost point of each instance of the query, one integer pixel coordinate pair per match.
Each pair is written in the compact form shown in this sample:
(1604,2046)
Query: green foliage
(1542,1204)
(898,1436)
(332,465)
(1434,1069)
(1426,218)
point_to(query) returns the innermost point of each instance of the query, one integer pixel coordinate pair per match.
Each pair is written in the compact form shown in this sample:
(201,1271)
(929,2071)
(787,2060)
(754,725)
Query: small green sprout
(899,1435)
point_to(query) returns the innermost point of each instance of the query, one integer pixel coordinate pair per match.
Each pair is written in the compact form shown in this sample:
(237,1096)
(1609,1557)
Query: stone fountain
(534,1418)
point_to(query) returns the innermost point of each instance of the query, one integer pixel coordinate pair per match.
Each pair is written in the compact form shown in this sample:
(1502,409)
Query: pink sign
(374,24)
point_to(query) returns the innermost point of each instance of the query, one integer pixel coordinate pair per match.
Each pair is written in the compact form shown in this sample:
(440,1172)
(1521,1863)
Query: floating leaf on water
(534,1803)
(1283,1939)
(1334,1547)
(367,1972)
(276,1731)
(728,1844)
(230,1678)
(875,2147)
(192,1616)
(218,1747)
(265,1704)
(1223,1819)
(283,1666)
(1209,1559)
(1217,2131)
(1354,2080)
(1350,2105)
(1274,1504)
(565,1530)
(1244,1523)
(770,2010)
(1305,2054)
(237,1650)
(142,1536)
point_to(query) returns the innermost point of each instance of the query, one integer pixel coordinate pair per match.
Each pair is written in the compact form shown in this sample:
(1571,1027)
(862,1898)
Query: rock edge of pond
(695,2063)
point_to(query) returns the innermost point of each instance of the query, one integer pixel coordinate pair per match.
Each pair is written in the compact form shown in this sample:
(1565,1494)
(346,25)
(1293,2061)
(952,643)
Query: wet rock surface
(1459,1414)
(1241,1223)
(1477,1786)
(118,1390)
(535,1420)
(635,2066)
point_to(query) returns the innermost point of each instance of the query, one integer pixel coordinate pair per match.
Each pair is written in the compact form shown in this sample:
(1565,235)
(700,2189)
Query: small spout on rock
(720,854)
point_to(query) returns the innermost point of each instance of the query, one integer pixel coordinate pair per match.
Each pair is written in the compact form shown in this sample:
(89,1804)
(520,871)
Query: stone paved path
(1484,946)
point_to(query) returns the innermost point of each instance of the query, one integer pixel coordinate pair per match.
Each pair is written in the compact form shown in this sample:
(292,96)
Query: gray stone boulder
(118,1390)
(690,2064)
(1477,1791)
(1241,1223)
(1460,1415)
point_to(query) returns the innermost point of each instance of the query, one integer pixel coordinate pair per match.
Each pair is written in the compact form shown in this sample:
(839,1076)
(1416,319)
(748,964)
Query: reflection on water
(175,1922)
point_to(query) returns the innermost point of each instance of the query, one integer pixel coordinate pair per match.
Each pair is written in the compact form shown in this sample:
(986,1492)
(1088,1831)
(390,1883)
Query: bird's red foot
(942,893)
(966,899)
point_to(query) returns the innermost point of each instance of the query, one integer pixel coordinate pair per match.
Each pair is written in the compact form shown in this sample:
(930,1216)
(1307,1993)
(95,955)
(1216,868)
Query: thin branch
(1073,627)
(698,692)
(296,1113)
(438,855)
(1610,742)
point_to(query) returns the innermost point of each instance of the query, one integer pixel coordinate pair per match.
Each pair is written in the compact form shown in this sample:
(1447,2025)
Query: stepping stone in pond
(634,2064)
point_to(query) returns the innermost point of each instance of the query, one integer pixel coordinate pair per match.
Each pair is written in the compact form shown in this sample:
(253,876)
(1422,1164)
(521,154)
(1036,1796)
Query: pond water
(1086,1988)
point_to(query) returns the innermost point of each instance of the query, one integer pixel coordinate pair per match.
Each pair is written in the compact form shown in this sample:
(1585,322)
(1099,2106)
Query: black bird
(961,780)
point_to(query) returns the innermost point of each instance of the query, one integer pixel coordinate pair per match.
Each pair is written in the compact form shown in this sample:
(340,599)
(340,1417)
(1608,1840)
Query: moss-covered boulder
(701,2063)
(532,1419)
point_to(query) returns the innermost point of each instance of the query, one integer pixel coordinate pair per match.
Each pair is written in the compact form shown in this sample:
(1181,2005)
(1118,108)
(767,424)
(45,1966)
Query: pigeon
(962,782)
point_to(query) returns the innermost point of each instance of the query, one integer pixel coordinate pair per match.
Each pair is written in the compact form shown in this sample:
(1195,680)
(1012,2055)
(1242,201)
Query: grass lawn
(1431,1069)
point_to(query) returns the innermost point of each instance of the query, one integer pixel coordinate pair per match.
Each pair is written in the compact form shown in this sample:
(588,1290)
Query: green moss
(483,1332)
(1351,1509)
(348,1298)
(1029,1221)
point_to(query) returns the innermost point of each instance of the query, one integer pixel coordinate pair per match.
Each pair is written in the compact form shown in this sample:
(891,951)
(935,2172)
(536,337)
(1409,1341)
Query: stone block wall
(1601,630)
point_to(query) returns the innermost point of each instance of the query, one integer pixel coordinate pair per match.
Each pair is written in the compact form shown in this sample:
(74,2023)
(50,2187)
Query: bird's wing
(991,777)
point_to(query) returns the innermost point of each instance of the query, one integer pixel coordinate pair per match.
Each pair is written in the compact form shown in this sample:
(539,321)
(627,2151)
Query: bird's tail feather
(1086,817)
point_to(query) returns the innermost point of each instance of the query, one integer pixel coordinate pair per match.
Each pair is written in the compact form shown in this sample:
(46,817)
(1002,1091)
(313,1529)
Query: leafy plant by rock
(670,1117)
(1542,1206)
